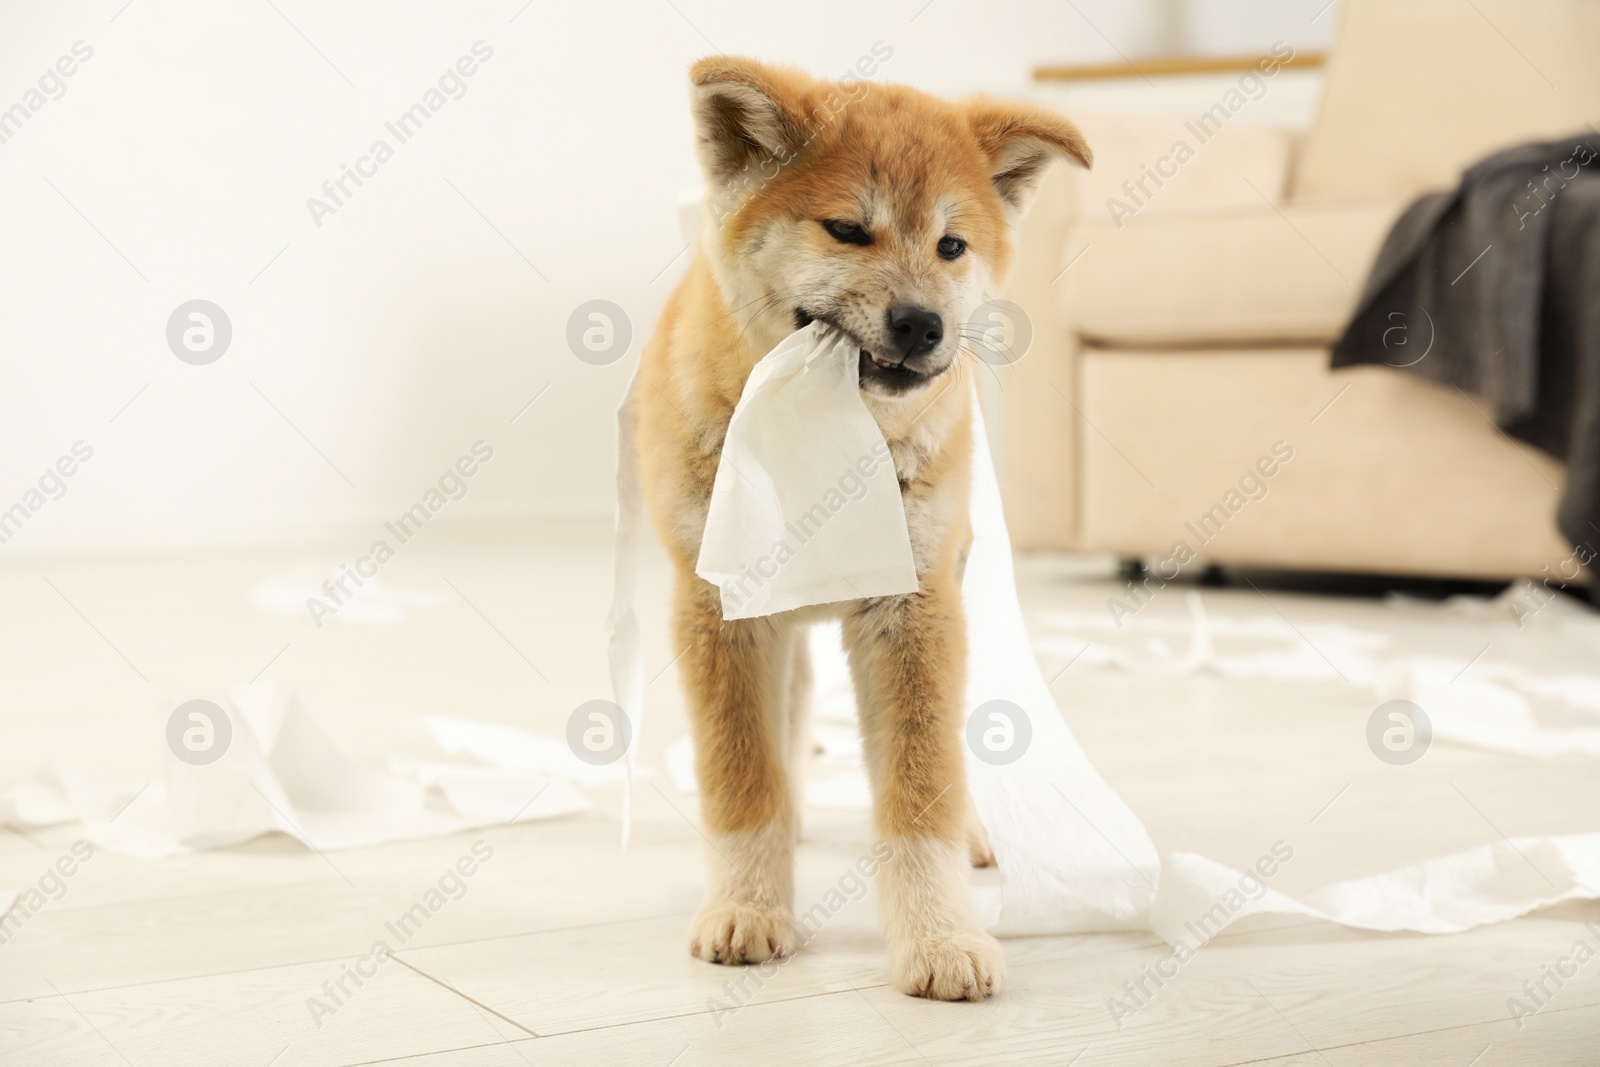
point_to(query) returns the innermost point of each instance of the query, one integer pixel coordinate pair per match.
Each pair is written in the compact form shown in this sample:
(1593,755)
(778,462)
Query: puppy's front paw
(959,966)
(734,933)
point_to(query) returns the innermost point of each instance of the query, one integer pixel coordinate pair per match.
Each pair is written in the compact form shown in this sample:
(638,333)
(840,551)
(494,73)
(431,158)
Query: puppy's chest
(930,506)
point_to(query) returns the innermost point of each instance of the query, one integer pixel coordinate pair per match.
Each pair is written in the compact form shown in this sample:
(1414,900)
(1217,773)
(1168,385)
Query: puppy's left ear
(1019,142)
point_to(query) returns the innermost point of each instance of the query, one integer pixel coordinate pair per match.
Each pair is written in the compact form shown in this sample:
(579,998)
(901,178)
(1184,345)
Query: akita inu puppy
(889,214)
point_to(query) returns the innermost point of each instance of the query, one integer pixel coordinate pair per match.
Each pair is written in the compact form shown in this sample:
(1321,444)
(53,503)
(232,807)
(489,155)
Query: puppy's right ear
(747,120)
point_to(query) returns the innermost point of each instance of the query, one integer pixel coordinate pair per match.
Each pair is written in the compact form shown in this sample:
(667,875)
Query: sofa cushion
(1253,277)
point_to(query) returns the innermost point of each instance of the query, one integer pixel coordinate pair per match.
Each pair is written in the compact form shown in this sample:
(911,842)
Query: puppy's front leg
(736,677)
(908,656)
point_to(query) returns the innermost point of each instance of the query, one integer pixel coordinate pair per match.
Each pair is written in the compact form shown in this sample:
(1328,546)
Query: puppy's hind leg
(979,854)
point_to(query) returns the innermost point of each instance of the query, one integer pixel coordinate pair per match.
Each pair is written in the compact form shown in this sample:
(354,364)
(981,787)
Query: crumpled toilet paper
(1072,856)
(1484,702)
(805,508)
(281,773)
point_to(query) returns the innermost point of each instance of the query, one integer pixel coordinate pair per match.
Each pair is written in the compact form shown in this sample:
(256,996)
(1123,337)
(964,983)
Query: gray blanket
(1494,288)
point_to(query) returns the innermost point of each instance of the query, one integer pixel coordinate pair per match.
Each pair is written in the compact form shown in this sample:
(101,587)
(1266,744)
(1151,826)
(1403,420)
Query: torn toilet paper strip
(1445,895)
(1072,856)
(624,653)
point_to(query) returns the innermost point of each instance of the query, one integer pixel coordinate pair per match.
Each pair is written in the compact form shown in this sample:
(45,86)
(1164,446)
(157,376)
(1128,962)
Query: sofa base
(1266,458)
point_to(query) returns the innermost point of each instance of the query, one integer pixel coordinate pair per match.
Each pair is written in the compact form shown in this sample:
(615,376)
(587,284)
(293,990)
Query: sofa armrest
(1246,278)
(1042,423)
(1037,432)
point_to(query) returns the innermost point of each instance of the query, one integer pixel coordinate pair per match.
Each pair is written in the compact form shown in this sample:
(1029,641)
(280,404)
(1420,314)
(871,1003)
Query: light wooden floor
(565,949)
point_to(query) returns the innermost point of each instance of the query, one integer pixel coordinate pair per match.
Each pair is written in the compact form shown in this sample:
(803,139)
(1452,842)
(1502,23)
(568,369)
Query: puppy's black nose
(915,330)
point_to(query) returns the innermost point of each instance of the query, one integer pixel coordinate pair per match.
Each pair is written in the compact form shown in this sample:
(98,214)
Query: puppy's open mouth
(889,375)
(897,377)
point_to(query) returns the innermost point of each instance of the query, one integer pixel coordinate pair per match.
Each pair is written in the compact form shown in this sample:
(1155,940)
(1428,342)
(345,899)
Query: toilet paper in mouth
(1073,857)
(806,507)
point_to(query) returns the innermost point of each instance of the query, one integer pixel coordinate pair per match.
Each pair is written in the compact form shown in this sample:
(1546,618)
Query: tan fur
(783,152)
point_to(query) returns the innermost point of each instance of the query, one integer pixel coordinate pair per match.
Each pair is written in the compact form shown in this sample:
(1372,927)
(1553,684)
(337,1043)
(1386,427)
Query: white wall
(178,163)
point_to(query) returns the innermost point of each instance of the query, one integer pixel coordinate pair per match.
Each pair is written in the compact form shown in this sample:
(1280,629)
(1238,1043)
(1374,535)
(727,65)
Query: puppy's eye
(951,247)
(848,232)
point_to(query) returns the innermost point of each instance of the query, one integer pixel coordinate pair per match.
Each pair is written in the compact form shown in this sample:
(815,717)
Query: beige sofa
(1172,353)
